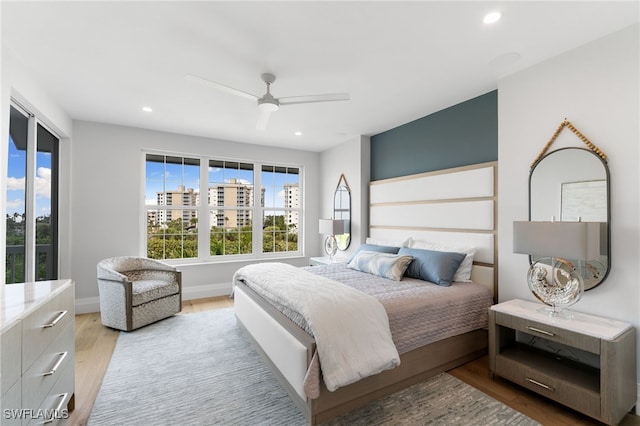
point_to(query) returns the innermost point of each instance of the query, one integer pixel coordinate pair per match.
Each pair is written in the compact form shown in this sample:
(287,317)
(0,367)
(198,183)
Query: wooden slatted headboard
(456,205)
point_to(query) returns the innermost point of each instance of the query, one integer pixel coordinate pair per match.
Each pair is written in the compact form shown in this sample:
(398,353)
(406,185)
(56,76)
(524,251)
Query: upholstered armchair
(136,291)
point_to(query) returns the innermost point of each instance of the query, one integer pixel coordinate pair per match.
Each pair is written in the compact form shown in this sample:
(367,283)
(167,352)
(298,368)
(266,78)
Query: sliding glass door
(32,200)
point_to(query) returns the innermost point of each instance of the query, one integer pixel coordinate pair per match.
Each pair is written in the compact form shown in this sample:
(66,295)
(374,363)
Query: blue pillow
(374,247)
(438,267)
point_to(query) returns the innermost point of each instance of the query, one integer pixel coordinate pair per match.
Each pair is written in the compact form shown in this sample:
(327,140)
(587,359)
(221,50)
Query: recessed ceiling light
(492,18)
(147,109)
(298,133)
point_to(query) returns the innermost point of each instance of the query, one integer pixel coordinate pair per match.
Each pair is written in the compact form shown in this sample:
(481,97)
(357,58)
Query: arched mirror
(572,184)
(342,210)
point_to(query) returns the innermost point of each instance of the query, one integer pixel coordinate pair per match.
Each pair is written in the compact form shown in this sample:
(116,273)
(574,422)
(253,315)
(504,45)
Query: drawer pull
(56,320)
(57,412)
(62,356)
(542,385)
(537,330)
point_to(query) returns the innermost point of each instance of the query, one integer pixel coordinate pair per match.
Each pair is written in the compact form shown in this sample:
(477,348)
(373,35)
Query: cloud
(15,204)
(43,182)
(15,184)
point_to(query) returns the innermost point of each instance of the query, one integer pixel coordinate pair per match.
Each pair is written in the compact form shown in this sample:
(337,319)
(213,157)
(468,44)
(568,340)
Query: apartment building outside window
(227,222)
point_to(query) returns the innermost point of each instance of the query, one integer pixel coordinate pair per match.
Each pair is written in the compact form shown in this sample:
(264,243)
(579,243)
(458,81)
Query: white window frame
(204,208)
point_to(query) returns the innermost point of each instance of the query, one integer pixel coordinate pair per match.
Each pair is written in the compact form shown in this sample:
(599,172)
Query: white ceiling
(399,61)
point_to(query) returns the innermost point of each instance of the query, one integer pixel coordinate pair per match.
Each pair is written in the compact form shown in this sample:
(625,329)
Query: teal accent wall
(466,133)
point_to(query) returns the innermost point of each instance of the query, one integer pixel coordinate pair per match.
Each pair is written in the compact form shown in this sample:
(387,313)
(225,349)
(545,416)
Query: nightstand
(324,260)
(587,363)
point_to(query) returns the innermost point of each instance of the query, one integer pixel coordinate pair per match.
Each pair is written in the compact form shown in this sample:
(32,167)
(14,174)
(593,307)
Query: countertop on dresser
(20,299)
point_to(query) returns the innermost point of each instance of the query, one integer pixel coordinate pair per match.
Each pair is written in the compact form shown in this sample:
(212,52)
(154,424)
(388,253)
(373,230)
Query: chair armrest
(115,268)
(111,275)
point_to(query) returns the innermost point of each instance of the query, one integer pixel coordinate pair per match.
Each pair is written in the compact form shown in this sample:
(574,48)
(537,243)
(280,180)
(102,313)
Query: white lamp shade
(568,240)
(332,226)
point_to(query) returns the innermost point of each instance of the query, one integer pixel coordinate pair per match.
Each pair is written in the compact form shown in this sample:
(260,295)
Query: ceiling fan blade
(221,87)
(263,119)
(329,97)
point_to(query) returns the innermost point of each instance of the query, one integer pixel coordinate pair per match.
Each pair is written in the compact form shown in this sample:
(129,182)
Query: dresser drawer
(55,404)
(44,325)
(576,389)
(549,332)
(10,405)
(10,356)
(40,378)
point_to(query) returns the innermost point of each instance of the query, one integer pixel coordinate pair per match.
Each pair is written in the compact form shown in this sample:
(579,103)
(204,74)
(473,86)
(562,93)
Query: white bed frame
(448,206)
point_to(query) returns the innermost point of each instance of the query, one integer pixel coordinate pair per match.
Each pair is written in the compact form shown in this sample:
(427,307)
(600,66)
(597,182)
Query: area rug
(198,369)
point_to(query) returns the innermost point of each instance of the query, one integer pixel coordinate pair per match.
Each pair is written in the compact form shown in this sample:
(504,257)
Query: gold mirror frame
(573,194)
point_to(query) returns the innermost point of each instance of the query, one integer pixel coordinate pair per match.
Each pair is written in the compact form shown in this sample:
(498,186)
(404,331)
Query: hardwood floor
(95,344)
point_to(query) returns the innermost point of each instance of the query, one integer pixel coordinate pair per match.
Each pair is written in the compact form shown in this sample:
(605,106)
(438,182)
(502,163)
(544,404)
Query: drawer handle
(58,410)
(62,356)
(542,385)
(537,330)
(56,320)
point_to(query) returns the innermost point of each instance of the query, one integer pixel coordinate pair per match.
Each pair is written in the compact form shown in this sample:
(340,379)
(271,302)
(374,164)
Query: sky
(175,175)
(16,172)
(189,176)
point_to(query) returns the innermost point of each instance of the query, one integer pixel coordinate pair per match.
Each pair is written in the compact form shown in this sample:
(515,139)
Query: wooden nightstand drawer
(550,332)
(573,386)
(583,361)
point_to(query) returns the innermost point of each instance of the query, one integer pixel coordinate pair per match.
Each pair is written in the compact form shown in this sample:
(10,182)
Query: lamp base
(330,246)
(556,312)
(555,282)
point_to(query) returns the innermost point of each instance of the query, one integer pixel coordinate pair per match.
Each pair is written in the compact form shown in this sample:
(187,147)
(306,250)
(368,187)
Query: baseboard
(88,305)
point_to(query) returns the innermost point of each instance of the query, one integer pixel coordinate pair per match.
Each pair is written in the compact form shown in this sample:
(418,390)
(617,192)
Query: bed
(438,210)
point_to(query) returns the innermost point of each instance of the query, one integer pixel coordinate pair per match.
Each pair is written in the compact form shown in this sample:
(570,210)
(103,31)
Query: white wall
(596,87)
(353,159)
(17,83)
(106,189)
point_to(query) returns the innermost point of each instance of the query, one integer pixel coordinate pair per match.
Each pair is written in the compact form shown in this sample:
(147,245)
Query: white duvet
(351,328)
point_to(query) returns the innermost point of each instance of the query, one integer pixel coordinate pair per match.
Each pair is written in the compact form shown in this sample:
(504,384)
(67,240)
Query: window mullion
(30,201)
(204,225)
(257,210)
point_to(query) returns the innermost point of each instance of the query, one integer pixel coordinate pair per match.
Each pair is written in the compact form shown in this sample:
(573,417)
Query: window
(281,208)
(32,200)
(231,202)
(249,209)
(172,198)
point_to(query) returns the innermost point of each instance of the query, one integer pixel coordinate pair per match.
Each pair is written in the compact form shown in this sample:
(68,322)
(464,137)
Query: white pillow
(390,243)
(464,270)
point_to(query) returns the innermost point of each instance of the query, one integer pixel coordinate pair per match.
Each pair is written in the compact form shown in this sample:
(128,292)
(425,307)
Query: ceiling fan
(267,103)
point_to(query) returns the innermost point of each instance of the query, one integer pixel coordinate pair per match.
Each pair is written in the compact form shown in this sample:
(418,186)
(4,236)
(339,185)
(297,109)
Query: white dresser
(37,352)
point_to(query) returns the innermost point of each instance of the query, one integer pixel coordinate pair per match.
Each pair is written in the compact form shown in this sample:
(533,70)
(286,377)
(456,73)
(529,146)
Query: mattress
(419,312)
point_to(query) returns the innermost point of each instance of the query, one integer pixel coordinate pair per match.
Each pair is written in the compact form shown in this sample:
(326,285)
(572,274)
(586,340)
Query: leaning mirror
(342,210)
(572,184)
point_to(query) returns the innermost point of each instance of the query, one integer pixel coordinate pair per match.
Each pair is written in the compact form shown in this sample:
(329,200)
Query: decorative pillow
(376,248)
(390,243)
(387,265)
(438,267)
(464,270)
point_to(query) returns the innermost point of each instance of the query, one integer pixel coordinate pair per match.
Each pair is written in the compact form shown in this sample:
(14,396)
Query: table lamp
(331,228)
(553,277)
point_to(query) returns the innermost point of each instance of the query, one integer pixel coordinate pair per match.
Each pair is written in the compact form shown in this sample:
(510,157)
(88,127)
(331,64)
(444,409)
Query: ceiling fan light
(268,105)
